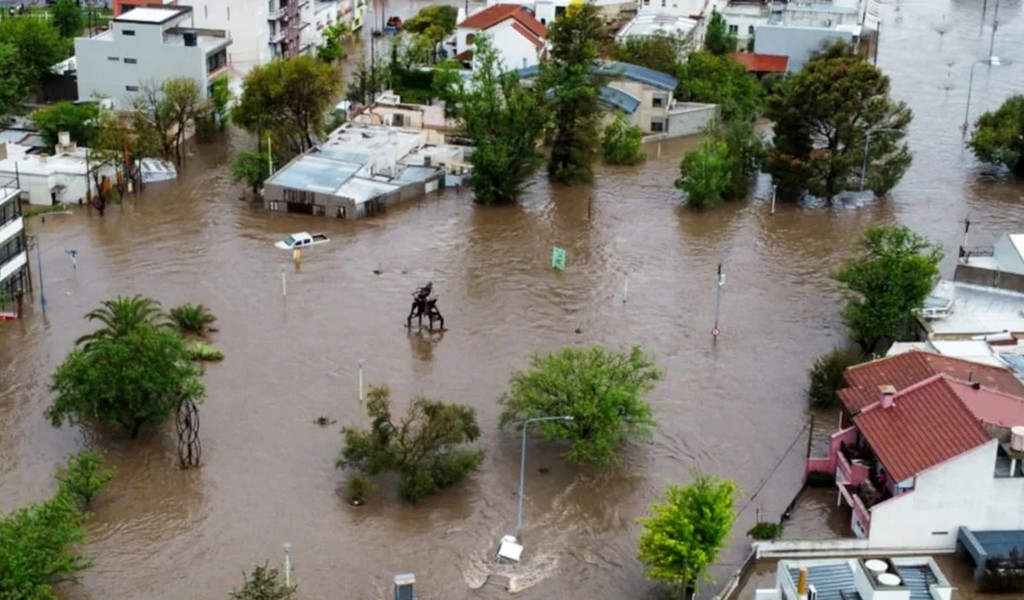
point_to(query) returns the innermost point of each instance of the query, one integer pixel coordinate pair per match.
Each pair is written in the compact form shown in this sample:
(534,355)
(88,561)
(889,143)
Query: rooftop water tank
(191,37)
(889,579)
(1017,439)
(876,566)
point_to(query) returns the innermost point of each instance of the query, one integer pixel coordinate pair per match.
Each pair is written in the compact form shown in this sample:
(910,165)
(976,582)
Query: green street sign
(558,258)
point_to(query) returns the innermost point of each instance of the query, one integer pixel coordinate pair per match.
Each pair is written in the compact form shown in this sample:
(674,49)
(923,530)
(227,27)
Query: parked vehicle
(298,241)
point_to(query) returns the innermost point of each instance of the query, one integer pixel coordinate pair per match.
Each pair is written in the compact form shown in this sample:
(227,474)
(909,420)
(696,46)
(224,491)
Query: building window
(216,61)
(657,125)
(131,61)
(131,88)
(658,101)
(128,32)
(114,58)
(469,38)
(750,30)
(11,248)
(298,196)
(734,29)
(9,211)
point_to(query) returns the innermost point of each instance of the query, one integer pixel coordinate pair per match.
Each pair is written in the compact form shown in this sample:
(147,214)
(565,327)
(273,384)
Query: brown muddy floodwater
(267,478)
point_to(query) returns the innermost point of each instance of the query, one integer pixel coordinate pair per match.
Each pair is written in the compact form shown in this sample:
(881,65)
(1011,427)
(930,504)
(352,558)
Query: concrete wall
(247,22)
(102,68)
(515,50)
(961,492)
(798,43)
(39,186)
(690,118)
(989,277)
(1007,256)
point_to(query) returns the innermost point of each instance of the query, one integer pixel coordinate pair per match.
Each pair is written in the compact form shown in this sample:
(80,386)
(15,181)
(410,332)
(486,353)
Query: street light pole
(867,141)
(992,61)
(522,467)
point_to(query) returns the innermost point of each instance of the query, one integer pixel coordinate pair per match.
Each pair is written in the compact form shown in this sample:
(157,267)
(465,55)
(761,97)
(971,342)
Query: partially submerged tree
(40,545)
(721,80)
(264,583)
(704,173)
(85,476)
(687,531)
(192,318)
(168,109)
(823,116)
(504,120)
(436,21)
(575,104)
(602,390)
(826,377)
(660,51)
(251,167)
(999,136)
(132,372)
(288,99)
(891,274)
(620,143)
(429,448)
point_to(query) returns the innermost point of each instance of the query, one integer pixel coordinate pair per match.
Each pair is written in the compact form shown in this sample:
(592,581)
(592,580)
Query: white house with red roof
(519,38)
(918,463)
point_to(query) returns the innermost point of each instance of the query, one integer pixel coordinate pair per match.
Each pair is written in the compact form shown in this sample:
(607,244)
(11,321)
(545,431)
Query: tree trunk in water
(136,428)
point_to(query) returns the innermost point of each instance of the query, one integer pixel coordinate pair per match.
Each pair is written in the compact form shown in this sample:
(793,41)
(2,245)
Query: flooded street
(735,408)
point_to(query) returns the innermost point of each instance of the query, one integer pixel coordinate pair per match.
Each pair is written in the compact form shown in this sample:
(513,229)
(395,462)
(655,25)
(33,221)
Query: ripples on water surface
(731,408)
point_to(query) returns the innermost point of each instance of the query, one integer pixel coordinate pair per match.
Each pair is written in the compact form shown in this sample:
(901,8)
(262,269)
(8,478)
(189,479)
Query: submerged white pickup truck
(297,241)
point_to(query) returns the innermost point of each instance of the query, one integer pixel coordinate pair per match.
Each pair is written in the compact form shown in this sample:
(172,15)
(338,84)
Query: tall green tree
(620,143)
(169,109)
(264,583)
(79,120)
(289,100)
(15,77)
(687,531)
(67,18)
(893,271)
(435,21)
(130,374)
(39,46)
(999,136)
(505,122)
(721,80)
(717,39)
(705,173)
(823,115)
(332,50)
(602,390)
(576,109)
(746,153)
(430,448)
(40,545)
(661,51)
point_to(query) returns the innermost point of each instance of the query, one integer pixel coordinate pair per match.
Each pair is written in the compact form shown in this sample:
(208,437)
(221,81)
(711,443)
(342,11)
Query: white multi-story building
(14,273)
(518,37)
(149,45)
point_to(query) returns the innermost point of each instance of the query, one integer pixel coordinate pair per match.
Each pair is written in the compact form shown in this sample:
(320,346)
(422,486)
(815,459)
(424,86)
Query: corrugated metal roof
(625,102)
(927,425)
(832,581)
(918,578)
(619,70)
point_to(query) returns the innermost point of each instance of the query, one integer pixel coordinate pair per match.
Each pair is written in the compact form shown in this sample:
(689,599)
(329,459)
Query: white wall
(961,492)
(683,8)
(515,50)
(1006,255)
(247,22)
(11,229)
(102,68)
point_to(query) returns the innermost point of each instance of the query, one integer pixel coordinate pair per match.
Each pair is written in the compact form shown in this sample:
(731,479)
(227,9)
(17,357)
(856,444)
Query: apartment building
(15,279)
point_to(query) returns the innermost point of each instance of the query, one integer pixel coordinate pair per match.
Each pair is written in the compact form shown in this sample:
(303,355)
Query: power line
(764,481)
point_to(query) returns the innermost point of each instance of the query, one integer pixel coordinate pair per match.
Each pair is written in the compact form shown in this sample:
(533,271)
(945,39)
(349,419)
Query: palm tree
(122,315)
(194,318)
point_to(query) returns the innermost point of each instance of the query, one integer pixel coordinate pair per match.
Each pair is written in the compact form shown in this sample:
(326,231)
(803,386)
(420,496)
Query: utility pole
(718,301)
(995,26)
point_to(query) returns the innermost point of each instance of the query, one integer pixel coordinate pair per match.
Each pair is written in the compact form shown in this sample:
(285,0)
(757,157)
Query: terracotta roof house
(924,458)
(518,36)
(909,368)
(762,64)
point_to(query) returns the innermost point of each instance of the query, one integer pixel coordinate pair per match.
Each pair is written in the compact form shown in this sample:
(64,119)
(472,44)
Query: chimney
(801,584)
(888,392)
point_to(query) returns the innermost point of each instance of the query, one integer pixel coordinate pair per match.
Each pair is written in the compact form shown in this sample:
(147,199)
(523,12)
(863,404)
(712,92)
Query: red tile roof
(904,370)
(762,63)
(489,17)
(926,425)
(990,406)
(526,33)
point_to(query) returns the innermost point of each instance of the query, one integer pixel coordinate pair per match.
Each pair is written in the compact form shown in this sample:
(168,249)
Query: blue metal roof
(1016,363)
(619,70)
(832,581)
(627,103)
(917,578)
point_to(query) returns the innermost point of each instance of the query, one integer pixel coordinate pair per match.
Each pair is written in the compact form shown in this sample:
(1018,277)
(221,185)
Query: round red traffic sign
(715,332)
